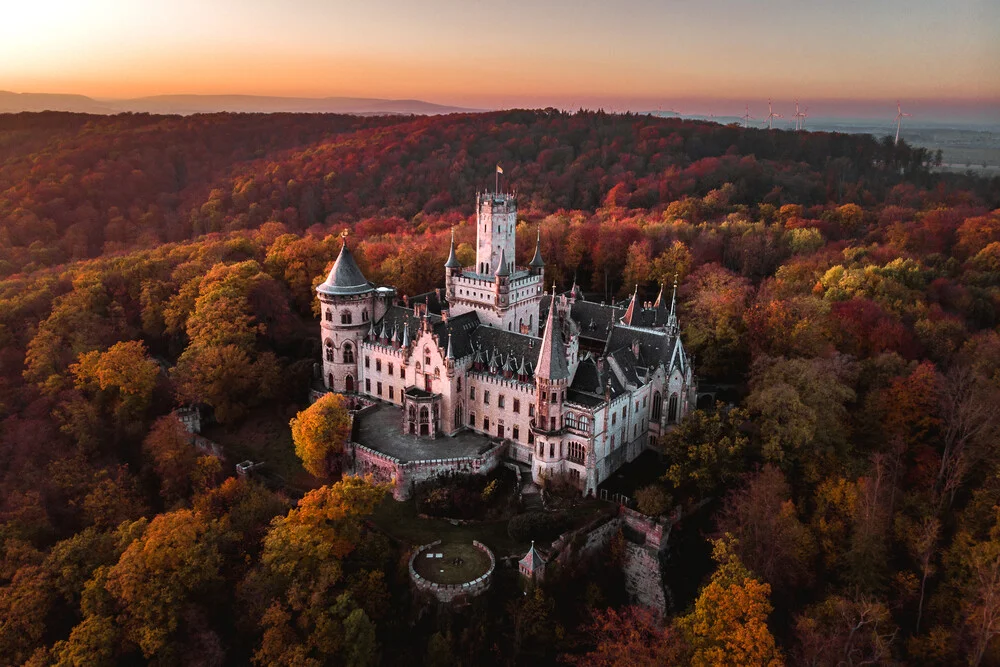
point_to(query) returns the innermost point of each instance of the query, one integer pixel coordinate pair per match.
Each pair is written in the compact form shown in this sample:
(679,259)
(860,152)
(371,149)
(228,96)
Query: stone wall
(644,578)
(405,476)
(448,592)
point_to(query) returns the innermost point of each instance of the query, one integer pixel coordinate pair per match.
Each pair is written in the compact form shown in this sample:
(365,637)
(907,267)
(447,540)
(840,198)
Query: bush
(464,496)
(537,526)
(653,500)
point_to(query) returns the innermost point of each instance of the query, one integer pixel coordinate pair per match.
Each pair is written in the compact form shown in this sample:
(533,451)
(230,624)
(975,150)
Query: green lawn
(460,562)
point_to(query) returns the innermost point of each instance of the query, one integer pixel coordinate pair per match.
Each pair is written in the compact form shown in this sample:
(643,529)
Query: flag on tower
(499,169)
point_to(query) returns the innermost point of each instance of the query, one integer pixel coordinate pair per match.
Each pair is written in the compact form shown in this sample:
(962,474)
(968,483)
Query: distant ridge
(191,104)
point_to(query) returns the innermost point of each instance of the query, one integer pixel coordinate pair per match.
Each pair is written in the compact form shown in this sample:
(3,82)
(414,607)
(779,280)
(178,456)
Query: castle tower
(496,218)
(552,375)
(349,305)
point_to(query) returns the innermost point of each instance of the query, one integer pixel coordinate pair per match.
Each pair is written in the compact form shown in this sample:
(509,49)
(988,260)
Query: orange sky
(506,54)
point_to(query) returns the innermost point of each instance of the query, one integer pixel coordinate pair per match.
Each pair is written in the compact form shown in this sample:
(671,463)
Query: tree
(319,433)
(844,631)
(172,566)
(706,449)
(173,456)
(226,378)
(728,625)
(653,500)
(629,637)
(769,538)
(713,323)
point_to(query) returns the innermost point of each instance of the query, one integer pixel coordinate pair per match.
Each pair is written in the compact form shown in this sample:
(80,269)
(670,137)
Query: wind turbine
(800,117)
(770,114)
(746,117)
(899,119)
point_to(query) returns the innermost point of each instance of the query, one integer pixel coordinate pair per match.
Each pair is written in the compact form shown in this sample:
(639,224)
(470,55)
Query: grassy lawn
(400,520)
(265,436)
(459,562)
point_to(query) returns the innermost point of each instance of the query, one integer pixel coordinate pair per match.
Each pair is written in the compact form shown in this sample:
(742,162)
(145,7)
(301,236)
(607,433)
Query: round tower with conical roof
(349,303)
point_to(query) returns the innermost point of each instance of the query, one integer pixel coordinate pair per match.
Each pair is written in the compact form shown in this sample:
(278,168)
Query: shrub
(653,500)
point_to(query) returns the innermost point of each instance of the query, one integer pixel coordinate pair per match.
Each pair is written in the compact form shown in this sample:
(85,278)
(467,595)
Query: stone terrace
(381,429)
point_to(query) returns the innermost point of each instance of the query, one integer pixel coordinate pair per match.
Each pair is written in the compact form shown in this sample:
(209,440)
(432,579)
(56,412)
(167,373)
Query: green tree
(707,449)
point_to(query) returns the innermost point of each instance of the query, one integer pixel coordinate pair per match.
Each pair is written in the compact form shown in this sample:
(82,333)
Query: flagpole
(496,181)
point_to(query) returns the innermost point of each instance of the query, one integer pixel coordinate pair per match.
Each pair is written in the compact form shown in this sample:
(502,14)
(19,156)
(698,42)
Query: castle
(568,386)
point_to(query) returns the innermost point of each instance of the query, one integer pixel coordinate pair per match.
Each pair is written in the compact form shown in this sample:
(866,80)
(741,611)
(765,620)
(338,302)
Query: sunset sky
(688,55)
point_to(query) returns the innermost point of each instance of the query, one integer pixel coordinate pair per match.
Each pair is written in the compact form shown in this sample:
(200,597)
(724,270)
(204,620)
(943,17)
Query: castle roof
(532,561)
(452,262)
(552,363)
(630,312)
(502,268)
(537,262)
(345,277)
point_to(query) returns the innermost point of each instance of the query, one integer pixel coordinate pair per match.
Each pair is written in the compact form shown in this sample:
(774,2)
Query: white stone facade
(589,395)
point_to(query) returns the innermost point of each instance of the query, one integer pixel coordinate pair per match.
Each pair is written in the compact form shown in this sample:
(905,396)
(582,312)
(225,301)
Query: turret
(551,373)
(537,264)
(501,290)
(496,218)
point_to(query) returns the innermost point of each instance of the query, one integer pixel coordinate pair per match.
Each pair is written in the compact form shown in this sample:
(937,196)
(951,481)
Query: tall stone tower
(552,377)
(496,218)
(349,304)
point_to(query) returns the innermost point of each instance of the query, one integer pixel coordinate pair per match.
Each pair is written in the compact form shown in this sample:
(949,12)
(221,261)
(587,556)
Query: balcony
(545,430)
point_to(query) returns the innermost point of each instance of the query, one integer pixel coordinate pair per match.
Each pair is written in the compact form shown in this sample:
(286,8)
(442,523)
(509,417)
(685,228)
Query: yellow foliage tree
(319,433)
(728,625)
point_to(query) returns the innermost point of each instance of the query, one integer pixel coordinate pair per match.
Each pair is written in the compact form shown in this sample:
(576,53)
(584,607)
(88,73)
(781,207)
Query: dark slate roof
(452,262)
(461,328)
(345,277)
(654,346)
(506,343)
(502,268)
(589,384)
(627,362)
(552,362)
(397,316)
(537,262)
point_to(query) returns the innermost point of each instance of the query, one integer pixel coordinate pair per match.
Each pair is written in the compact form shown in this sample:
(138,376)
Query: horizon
(848,60)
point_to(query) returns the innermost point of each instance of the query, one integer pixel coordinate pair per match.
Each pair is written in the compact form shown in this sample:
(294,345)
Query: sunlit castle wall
(496,220)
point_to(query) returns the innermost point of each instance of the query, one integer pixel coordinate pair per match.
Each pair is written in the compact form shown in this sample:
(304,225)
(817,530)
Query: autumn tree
(706,449)
(769,537)
(631,636)
(173,457)
(319,433)
(715,304)
(728,625)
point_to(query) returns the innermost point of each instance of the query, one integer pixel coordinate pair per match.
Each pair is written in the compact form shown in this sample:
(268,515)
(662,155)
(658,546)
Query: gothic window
(517,406)
(402,373)
(500,430)
(672,408)
(329,380)
(367,361)
(349,383)
(329,315)
(368,385)
(552,423)
(345,317)
(427,356)
(584,423)
(329,351)
(472,393)
(392,370)
(486,424)
(472,419)
(500,401)
(437,372)
(348,354)
(378,365)
(486,398)
(576,452)
(516,433)
(553,397)
(657,406)
(378,388)
(552,449)
(531,409)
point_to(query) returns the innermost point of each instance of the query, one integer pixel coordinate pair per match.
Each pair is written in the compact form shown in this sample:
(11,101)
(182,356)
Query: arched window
(329,315)
(329,350)
(672,409)
(427,356)
(541,449)
(437,372)
(345,317)
(583,423)
(348,354)
(576,452)
(552,449)
(329,380)
(364,315)
(657,406)
(349,383)
(425,416)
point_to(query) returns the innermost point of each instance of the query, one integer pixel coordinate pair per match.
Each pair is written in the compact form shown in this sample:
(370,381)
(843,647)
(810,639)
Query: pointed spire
(502,270)
(384,335)
(371,329)
(551,354)
(452,262)
(630,312)
(345,277)
(521,370)
(406,334)
(672,319)
(449,354)
(537,262)
(395,333)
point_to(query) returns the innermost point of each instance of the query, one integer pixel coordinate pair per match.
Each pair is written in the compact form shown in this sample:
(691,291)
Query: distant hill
(190,104)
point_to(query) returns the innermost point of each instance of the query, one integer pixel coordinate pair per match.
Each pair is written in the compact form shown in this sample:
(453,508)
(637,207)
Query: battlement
(495,200)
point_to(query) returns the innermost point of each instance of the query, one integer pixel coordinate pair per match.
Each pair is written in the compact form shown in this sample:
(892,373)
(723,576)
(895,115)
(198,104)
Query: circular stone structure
(449,570)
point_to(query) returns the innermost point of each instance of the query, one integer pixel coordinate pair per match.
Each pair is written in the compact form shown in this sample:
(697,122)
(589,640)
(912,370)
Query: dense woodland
(848,295)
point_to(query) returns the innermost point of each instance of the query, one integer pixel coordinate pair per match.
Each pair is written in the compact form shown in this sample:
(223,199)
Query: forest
(846,294)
